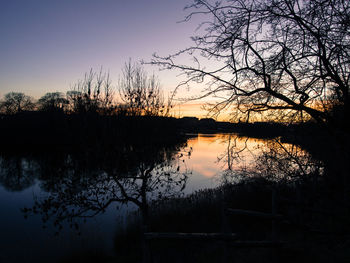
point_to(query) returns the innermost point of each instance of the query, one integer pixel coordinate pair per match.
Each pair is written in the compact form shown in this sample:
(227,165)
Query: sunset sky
(48,45)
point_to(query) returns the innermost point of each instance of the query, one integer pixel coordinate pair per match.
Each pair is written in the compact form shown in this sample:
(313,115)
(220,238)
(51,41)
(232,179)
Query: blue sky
(48,45)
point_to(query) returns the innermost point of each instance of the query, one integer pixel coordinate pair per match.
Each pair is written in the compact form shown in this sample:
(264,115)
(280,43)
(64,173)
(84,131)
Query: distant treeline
(136,94)
(53,130)
(36,131)
(256,129)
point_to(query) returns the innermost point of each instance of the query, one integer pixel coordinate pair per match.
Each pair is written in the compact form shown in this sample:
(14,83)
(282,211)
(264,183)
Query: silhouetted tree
(141,93)
(15,102)
(92,94)
(290,58)
(53,101)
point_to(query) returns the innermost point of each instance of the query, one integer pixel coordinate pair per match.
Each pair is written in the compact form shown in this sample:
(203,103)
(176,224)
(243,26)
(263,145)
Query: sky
(48,45)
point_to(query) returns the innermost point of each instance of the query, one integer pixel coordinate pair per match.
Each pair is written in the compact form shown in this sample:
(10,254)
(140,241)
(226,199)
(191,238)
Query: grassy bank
(314,229)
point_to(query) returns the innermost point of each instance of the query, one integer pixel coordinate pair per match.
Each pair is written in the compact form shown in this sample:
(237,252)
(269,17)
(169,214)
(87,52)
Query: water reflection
(270,159)
(228,158)
(79,185)
(17,173)
(82,185)
(85,187)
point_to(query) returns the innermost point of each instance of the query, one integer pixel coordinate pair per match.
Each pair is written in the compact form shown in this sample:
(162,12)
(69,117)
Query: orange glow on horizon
(194,109)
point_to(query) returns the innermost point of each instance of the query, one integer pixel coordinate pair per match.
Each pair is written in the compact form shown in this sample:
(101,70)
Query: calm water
(203,162)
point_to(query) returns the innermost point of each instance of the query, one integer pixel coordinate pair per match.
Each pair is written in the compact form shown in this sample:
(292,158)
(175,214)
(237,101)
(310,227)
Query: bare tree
(53,101)
(141,93)
(15,102)
(92,94)
(271,56)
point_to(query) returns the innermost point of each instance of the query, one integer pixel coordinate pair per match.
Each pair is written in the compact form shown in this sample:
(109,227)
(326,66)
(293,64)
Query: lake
(58,187)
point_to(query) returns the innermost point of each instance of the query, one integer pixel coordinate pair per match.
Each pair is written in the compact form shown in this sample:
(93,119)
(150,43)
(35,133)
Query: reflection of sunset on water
(208,148)
(213,154)
(204,156)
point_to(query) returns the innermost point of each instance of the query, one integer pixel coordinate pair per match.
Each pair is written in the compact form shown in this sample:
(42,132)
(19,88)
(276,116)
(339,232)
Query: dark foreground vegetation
(314,227)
